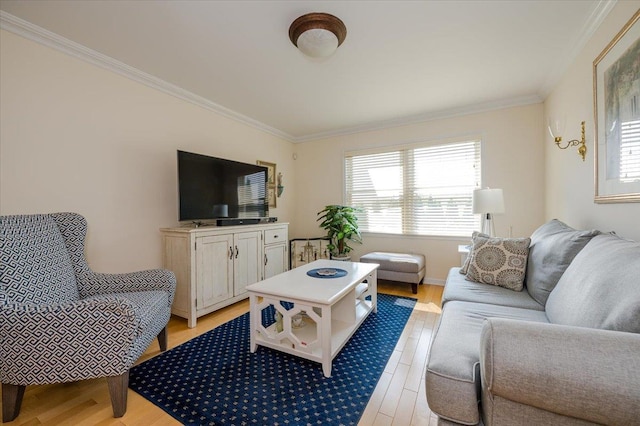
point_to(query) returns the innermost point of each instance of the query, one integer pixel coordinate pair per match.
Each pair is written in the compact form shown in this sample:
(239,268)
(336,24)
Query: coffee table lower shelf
(341,332)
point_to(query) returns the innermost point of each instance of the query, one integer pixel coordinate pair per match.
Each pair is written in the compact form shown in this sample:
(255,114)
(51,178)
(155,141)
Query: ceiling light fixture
(317,35)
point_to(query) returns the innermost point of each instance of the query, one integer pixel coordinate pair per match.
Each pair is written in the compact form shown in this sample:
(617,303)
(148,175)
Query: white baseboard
(434,281)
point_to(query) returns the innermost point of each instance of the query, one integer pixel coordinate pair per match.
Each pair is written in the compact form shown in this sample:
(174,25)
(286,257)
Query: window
(417,190)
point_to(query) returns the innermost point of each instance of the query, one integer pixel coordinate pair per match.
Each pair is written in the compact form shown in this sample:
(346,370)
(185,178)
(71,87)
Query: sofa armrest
(92,284)
(584,373)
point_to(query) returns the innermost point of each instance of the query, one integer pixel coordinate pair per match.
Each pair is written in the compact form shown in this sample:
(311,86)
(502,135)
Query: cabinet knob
(230,253)
(237,251)
(265,259)
(275,236)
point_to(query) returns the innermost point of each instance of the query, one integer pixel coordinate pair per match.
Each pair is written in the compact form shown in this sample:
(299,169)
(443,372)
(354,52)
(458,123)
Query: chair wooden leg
(118,387)
(162,339)
(11,401)
(414,288)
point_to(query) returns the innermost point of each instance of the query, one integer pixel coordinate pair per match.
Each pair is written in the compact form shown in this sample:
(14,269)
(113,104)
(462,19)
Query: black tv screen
(214,188)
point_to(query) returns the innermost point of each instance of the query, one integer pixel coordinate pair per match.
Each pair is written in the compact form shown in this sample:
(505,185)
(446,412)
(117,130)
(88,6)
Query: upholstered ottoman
(401,267)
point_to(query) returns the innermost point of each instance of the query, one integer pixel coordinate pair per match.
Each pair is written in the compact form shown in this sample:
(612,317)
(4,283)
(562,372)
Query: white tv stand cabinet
(214,264)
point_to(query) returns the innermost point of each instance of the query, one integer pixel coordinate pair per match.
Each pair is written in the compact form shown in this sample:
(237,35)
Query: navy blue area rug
(213,379)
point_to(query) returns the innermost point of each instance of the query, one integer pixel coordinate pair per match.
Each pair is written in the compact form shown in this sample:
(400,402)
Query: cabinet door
(214,270)
(275,260)
(247,266)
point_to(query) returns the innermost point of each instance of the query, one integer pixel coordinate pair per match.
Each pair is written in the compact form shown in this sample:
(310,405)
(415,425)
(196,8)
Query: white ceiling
(402,61)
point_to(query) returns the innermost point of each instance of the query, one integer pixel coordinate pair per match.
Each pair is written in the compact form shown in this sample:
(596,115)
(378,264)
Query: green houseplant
(341,225)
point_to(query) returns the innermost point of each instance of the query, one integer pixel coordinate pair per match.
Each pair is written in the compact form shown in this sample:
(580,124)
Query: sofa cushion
(553,247)
(601,287)
(458,288)
(499,261)
(453,376)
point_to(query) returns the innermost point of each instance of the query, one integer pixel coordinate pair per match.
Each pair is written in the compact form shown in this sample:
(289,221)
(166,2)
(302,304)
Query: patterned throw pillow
(467,261)
(499,261)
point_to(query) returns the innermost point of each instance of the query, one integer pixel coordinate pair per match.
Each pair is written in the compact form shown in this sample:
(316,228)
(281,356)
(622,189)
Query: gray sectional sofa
(565,349)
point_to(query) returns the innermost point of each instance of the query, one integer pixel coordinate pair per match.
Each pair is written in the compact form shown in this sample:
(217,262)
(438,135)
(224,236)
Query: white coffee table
(333,309)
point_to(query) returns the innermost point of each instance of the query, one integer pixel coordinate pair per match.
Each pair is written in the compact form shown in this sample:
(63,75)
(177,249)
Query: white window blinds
(424,190)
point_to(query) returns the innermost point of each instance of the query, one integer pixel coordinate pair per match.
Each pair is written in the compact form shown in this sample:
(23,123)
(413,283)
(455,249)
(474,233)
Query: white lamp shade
(317,43)
(488,201)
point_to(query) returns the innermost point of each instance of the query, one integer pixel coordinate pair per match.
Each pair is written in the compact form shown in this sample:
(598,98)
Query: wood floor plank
(394,359)
(406,333)
(383,420)
(410,349)
(404,412)
(421,411)
(392,397)
(371,411)
(419,361)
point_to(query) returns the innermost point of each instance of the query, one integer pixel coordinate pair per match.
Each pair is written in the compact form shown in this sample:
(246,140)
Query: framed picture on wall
(271,172)
(616,85)
(271,181)
(271,194)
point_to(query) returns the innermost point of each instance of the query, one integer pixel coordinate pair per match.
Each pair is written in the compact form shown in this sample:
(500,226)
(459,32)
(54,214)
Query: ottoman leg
(414,288)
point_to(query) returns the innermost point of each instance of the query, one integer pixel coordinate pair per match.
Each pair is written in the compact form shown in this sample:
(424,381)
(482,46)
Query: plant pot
(341,257)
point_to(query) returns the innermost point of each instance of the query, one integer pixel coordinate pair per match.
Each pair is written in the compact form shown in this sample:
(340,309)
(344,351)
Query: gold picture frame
(271,181)
(616,94)
(271,172)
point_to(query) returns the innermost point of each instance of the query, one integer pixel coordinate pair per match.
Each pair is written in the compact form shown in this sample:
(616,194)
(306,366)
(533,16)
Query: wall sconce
(556,128)
(280,187)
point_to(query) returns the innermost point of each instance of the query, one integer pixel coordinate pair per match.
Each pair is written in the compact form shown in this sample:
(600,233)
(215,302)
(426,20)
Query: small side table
(463,249)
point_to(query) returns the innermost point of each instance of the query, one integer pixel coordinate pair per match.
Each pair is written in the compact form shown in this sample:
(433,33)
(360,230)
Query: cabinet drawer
(275,235)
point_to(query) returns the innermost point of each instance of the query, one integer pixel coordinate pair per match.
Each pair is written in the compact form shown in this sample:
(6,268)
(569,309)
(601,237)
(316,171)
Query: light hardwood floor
(399,398)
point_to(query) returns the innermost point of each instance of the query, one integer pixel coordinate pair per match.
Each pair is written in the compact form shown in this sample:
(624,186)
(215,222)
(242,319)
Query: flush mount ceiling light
(317,35)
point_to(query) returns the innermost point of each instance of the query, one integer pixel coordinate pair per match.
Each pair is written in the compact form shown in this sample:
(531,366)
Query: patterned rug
(213,379)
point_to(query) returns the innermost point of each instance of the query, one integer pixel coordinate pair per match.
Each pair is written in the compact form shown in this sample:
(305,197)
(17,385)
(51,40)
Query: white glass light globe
(317,43)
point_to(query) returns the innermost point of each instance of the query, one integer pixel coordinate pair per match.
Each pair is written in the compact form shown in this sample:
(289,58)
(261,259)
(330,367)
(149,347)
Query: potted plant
(341,225)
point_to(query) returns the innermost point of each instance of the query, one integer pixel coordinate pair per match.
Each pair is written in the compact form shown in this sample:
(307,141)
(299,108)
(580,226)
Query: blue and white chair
(62,322)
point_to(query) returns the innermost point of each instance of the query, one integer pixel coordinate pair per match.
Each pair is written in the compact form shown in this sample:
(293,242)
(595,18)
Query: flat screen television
(214,188)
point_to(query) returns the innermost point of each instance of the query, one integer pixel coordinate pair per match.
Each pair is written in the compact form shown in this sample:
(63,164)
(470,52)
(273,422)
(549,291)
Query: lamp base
(487,226)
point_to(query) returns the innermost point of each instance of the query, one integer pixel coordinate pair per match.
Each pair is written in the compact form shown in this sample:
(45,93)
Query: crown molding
(599,13)
(421,118)
(40,35)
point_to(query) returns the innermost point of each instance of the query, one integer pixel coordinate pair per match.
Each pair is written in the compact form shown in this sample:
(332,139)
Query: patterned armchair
(60,321)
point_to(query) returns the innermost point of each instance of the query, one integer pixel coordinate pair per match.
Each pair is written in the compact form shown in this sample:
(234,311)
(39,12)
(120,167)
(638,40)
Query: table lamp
(486,202)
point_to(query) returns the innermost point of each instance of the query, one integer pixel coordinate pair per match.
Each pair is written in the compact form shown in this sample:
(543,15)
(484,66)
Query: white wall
(512,159)
(569,180)
(76,137)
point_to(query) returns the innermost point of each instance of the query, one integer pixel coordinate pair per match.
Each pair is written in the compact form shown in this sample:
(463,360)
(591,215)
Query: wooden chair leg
(118,388)
(162,339)
(11,401)
(414,288)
